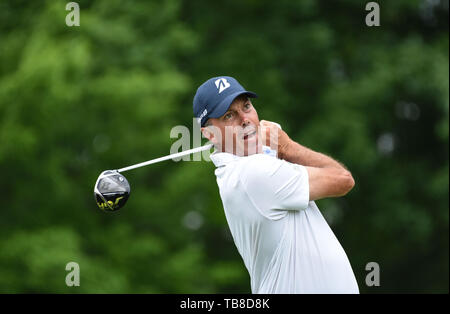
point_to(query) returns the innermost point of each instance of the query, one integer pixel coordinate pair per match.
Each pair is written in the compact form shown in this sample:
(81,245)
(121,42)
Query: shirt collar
(221,158)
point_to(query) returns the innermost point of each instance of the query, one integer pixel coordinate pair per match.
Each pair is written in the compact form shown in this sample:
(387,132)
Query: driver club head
(111,190)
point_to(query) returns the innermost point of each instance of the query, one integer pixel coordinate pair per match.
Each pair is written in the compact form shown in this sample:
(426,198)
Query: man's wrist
(284,149)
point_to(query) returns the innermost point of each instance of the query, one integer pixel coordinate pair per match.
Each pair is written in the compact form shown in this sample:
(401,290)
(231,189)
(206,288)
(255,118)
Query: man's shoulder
(258,167)
(259,160)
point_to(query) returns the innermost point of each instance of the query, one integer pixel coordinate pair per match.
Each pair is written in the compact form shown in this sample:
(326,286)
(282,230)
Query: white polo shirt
(286,244)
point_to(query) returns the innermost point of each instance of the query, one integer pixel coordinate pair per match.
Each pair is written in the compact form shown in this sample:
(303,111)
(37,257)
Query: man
(268,195)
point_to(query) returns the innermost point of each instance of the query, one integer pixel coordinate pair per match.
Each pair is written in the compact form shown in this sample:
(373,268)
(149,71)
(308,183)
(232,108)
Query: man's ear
(207,133)
(213,134)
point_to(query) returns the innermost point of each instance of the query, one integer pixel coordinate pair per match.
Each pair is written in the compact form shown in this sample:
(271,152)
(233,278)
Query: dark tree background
(78,100)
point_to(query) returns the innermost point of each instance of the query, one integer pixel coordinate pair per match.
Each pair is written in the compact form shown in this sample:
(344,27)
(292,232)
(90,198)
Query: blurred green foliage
(75,101)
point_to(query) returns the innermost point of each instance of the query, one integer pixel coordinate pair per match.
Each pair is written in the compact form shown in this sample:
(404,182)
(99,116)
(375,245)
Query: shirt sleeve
(275,186)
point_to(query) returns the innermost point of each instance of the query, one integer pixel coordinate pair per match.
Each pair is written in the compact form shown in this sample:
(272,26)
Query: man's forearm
(302,155)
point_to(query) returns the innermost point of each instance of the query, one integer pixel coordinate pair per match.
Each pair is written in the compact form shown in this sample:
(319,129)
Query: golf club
(111,190)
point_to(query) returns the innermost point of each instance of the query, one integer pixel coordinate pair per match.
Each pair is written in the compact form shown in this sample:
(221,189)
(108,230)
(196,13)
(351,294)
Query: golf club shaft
(181,154)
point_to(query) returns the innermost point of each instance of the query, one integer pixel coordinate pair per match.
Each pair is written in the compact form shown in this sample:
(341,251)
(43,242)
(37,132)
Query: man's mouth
(249,135)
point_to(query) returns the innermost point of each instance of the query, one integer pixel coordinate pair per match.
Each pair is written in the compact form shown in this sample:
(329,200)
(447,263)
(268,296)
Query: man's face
(237,131)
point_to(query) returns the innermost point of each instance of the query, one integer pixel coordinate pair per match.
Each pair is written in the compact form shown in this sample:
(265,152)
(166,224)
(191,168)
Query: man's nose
(244,120)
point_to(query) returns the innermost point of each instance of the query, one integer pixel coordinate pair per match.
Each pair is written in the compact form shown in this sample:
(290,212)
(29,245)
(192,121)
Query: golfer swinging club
(268,193)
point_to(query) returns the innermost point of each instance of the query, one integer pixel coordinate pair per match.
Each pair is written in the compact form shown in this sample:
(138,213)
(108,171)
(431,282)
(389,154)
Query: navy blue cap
(214,97)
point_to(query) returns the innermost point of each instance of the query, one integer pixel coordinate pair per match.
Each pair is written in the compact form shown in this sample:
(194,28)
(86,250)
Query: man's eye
(247,106)
(228,116)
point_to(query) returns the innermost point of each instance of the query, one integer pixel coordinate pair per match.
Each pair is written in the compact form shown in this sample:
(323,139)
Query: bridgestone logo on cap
(199,119)
(222,84)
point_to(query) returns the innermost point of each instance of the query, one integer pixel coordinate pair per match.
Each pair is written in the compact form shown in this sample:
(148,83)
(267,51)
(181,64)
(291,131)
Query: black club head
(111,190)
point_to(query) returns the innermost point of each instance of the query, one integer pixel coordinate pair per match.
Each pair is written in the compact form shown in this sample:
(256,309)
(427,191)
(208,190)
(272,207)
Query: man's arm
(299,154)
(328,182)
(327,177)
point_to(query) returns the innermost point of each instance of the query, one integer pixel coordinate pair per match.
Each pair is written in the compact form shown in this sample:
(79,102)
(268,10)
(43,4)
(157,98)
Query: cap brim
(225,104)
